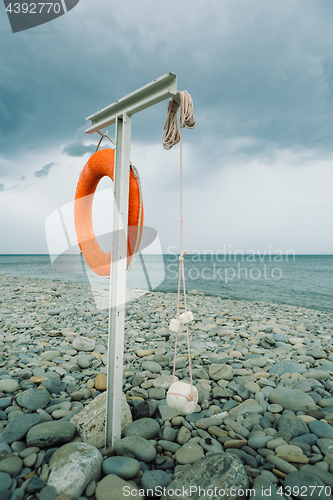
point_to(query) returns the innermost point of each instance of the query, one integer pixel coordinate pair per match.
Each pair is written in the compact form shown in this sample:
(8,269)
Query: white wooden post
(118,278)
(120,113)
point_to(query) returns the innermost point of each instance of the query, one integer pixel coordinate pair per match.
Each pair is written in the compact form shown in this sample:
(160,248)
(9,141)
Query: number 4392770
(34,8)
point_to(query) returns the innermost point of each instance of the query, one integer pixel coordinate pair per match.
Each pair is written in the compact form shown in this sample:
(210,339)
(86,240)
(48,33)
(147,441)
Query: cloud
(2,187)
(44,172)
(78,149)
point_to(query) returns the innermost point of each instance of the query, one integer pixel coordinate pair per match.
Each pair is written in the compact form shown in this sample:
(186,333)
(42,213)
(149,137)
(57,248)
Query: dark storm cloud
(44,172)
(261,71)
(77,149)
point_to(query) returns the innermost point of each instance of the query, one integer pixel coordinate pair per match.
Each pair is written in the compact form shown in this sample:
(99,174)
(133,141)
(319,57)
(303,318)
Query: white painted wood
(150,94)
(118,279)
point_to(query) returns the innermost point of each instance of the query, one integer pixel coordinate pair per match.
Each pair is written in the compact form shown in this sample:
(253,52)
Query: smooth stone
(83,362)
(8,385)
(235,426)
(18,446)
(326,402)
(5,402)
(144,352)
(204,423)
(282,367)
(84,344)
(156,393)
(310,439)
(50,433)
(292,399)
(141,448)
(252,387)
(151,366)
(47,493)
(300,481)
(115,488)
(234,443)
(169,445)
(210,444)
(325,445)
(291,424)
(168,433)
(259,442)
(73,466)
(124,467)
(292,456)
(189,453)
(147,428)
(248,406)
(317,374)
(90,421)
(101,382)
(154,481)
(11,465)
(220,371)
(35,485)
(145,409)
(5,481)
(306,418)
(222,471)
(321,429)
(325,476)
(18,427)
(280,464)
(5,447)
(30,460)
(275,408)
(164,381)
(32,399)
(275,443)
(183,435)
(284,448)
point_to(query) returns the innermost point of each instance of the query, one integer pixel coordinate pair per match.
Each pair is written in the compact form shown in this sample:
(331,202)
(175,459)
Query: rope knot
(181,257)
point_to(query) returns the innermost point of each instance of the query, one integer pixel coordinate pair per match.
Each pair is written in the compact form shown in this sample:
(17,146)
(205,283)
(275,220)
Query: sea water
(300,280)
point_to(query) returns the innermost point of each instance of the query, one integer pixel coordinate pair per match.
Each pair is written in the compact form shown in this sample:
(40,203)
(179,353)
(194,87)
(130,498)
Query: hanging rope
(171,134)
(171,137)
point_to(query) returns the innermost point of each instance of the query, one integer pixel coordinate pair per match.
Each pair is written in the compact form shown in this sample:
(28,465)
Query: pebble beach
(263,426)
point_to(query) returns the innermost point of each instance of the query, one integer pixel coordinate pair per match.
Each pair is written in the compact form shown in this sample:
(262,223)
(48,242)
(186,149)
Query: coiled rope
(171,137)
(171,134)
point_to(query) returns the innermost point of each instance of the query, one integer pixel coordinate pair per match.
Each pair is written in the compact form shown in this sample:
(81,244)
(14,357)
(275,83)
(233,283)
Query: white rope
(171,134)
(171,137)
(102,137)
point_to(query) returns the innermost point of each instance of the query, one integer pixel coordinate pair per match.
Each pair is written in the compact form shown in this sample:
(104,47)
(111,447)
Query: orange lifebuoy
(101,164)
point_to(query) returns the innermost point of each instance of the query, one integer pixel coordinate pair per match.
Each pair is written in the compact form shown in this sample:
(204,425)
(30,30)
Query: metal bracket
(150,94)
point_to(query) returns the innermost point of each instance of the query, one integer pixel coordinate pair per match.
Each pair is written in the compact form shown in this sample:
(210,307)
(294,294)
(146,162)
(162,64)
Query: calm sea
(301,280)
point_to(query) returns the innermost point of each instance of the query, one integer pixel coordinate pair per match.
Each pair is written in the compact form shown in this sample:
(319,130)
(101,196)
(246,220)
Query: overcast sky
(258,167)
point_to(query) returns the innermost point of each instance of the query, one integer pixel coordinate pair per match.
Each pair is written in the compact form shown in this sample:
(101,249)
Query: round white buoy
(177,398)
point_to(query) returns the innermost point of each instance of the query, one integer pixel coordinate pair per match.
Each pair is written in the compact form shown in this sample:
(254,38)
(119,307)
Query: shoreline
(264,374)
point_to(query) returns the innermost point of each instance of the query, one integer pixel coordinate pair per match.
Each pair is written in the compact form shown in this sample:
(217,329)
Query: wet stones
(49,434)
(292,399)
(73,466)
